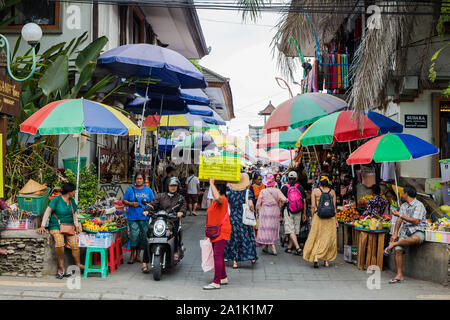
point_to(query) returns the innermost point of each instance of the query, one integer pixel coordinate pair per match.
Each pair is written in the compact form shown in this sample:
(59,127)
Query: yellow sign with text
(220,168)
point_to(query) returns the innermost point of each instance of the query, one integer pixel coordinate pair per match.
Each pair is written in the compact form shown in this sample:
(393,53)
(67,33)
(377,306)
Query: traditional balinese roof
(267,110)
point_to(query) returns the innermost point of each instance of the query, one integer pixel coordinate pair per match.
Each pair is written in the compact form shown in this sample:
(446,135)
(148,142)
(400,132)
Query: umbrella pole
(317,158)
(290,154)
(78,168)
(143,112)
(157,144)
(350,150)
(396,188)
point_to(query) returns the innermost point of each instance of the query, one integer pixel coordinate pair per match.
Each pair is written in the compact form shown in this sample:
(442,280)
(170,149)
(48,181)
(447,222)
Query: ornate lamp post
(32,34)
(10,100)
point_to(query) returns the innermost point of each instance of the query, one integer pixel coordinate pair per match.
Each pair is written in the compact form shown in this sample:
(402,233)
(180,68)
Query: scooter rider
(167,201)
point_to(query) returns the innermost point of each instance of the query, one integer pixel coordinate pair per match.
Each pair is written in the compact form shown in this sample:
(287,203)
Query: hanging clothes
(339,72)
(316,76)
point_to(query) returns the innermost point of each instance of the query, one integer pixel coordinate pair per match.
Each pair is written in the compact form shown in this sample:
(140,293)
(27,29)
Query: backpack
(325,209)
(295,199)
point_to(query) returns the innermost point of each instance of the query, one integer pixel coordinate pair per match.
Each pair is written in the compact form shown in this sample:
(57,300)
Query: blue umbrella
(384,123)
(167,67)
(167,144)
(206,112)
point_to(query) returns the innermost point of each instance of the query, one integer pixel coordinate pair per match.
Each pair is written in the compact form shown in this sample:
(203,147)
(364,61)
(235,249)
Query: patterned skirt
(269,225)
(138,232)
(322,240)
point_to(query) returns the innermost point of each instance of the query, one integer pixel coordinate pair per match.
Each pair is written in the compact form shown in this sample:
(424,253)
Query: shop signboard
(419,121)
(9,95)
(221,168)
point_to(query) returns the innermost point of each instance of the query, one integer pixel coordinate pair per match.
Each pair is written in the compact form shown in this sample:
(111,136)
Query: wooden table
(370,248)
(346,236)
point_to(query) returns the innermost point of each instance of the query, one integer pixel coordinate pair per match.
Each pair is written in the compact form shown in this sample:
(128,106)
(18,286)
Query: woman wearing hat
(268,206)
(242,246)
(322,239)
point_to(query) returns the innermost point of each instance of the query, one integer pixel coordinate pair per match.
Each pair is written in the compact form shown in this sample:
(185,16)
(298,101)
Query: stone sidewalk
(273,277)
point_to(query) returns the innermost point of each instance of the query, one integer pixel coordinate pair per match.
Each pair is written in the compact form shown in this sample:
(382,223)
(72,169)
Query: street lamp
(32,34)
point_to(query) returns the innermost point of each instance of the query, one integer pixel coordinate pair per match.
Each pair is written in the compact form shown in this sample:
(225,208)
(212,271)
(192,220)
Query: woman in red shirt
(216,213)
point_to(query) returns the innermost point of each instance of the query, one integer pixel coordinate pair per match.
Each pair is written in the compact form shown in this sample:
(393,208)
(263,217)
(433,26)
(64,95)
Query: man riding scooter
(167,201)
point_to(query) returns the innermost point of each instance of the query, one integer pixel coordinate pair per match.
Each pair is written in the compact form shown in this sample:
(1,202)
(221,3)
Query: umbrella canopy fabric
(280,155)
(384,123)
(302,110)
(338,127)
(166,144)
(261,154)
(72,116)
(196,141)
(392,147)
(177,121)
(281,139)
(219,138)
(207,112)
(167,67)
(180,96)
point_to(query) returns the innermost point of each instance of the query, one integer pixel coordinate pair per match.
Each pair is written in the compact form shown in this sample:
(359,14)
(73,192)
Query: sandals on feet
(298,251)
(288,250)
(235,265)
(145,270)
(395,280)
(60,275)
(211,286)
(316,264)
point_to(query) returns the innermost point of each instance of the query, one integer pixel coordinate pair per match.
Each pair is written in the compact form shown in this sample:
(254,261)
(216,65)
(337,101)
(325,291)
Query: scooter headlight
(159,228)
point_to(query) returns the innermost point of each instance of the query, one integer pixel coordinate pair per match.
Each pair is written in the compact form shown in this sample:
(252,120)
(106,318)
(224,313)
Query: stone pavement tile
(5,297)
(42,294)
(118,296)
(81,296)
(10,292)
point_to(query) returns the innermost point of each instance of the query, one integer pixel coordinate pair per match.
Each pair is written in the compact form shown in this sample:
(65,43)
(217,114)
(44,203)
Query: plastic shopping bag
(207,255)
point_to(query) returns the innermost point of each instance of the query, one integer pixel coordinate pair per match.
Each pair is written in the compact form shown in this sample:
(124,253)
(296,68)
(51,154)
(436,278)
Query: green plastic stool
(89,267)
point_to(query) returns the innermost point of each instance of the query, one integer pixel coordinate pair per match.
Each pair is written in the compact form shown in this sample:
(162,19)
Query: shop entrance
(443,130)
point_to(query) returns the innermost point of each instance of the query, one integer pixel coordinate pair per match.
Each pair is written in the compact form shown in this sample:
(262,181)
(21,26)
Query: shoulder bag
(248,216)
(64,228)
(212,232)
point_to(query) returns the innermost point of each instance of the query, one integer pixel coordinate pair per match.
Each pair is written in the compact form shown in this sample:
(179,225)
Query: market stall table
(370,247)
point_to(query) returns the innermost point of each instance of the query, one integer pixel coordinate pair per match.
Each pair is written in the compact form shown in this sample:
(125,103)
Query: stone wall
(26,253)
(429,262)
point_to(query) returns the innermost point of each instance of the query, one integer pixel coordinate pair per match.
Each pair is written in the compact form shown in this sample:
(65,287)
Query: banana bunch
(89,225)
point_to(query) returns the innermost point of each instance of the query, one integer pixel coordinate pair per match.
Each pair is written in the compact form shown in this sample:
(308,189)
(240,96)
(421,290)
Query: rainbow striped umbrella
(281,139)
(392,147)
(72,116)
(302,110)
(75,116)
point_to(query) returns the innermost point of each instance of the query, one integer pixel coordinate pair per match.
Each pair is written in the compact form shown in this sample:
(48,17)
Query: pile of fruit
(445,209)
(97,225)
(362,202)
(347,215)
(442,225)
(372,224)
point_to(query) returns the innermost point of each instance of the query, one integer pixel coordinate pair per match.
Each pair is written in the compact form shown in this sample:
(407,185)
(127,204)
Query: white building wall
(422,105)
(109,25)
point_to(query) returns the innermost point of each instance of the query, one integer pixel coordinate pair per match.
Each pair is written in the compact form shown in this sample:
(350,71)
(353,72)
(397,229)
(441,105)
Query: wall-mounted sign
(416,121)
(444,105)
(9,95)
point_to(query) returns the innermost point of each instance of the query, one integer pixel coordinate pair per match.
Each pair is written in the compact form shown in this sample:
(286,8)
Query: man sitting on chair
(409,228)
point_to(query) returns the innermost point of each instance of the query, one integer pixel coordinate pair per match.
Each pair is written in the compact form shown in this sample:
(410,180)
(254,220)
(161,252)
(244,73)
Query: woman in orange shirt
(217,215)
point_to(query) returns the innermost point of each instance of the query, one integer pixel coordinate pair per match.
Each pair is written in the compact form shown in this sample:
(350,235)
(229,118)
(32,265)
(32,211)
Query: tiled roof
(267,110)
(211,76)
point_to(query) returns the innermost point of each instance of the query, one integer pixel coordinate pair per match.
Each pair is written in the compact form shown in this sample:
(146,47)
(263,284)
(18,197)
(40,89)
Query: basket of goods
(372,224)
(362,202)
(33,197)
(438,231)
(347,215)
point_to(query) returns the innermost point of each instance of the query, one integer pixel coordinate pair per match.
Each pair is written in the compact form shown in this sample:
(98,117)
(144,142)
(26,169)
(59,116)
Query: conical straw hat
(32,188)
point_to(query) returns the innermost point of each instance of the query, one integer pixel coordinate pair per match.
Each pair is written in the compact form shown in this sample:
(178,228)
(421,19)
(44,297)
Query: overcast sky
(242,53)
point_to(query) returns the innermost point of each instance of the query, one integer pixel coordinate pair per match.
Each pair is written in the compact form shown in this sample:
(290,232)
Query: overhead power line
(348,7)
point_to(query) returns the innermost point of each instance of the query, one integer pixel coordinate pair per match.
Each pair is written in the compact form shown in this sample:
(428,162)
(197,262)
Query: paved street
(273,277)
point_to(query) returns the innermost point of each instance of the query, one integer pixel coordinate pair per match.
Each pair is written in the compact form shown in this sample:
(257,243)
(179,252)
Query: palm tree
(252,8)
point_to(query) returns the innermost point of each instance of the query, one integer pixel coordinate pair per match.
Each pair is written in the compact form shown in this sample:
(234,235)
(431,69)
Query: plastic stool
(112,257)
(119,251)
(89,267)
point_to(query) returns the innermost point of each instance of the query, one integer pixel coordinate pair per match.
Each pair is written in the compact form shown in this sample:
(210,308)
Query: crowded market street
(282,277)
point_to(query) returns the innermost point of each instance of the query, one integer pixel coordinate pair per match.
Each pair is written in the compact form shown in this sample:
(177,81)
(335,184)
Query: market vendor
(167,201)
(409,229)
(62,210)
(376,205)
(137,222)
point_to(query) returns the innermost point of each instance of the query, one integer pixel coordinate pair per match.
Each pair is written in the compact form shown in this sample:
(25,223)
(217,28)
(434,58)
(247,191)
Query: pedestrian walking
(279,184)
(295,212)
(268,206)
(137,222)
(217,215)
(193,190)
(322,239)
(255,189)
(242,245)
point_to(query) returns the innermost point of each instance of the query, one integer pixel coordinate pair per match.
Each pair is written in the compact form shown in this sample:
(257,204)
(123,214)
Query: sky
(241,51)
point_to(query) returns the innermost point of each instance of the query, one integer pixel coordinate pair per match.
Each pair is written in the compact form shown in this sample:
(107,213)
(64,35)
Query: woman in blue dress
(137,222)
(242,245)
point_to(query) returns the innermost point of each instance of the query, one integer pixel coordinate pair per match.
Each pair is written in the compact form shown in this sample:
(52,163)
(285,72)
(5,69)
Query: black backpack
(325,209)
